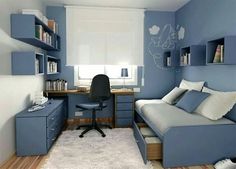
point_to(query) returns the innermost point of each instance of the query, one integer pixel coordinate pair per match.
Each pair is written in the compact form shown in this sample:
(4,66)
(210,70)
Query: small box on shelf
(221,51)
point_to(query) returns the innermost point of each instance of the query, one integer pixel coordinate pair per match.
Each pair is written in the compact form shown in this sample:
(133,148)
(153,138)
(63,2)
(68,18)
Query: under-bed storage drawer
(150,147)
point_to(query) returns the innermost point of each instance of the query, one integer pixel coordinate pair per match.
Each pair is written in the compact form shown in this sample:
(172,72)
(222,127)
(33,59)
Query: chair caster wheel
(81,136)
(103,135)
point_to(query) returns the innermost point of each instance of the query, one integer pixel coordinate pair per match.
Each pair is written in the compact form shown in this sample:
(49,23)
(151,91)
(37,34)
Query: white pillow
(173,95)
(191,85)
(217,104)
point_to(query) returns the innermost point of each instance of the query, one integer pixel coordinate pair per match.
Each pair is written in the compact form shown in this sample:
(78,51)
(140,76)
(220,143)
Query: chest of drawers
(37,131)
(124,108)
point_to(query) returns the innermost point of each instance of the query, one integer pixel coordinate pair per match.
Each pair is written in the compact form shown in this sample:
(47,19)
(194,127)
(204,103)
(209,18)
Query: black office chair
(99,92)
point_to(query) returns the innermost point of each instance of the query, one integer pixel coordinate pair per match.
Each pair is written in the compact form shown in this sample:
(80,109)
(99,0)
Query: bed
(189,139)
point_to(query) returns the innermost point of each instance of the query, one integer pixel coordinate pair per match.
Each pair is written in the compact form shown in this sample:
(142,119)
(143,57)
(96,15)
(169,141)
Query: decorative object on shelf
(56,85)
(124,74)
(27,63)
(39,99)
(53,25)
(83,88)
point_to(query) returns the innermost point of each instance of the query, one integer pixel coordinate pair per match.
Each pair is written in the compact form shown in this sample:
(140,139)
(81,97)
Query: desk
(123,111)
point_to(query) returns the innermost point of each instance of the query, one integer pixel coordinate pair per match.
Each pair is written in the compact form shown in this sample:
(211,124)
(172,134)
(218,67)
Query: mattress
(164,116)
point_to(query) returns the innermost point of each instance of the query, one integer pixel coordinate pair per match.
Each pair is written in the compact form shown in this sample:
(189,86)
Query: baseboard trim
(7,160)
(78,121)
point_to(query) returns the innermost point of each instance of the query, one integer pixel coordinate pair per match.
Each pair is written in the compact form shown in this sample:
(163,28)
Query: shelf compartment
(23,29)
(196,55)
(229,43)
(48,67)
(171,57)
(25,63)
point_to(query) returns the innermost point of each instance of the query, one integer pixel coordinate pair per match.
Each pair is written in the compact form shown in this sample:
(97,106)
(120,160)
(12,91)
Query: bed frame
(197,145)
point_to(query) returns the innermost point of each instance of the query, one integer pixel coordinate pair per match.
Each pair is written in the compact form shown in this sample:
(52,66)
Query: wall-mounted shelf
(194,55)
(52,65)
(27,63)
(31,30)
(227,53)
(170,58)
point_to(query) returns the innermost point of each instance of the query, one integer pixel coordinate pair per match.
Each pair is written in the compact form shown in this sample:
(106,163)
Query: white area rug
(118,150)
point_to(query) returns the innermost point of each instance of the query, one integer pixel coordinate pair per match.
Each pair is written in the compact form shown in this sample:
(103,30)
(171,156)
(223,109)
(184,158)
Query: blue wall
(204,20)
(157,80)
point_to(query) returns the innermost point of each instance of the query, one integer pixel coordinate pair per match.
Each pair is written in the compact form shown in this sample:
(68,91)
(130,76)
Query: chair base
(95,126)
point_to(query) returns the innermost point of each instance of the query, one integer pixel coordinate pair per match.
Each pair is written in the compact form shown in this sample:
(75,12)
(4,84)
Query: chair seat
(90,106)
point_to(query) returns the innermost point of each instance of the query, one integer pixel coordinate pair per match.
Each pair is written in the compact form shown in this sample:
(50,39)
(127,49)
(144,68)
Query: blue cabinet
(27,63)
(124,108)
(228,53)
(37,131)
(26,27)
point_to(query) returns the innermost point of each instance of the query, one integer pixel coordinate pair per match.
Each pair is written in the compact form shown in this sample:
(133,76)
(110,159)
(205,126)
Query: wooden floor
(31,162)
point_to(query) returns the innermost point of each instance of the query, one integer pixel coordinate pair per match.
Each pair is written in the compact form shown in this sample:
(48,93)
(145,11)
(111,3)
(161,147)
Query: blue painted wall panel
(205,20)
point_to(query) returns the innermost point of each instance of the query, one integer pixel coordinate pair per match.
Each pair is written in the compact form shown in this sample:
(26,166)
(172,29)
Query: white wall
(16,92)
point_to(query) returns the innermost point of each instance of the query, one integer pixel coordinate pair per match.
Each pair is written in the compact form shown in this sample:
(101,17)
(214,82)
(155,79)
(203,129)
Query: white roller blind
(104,36)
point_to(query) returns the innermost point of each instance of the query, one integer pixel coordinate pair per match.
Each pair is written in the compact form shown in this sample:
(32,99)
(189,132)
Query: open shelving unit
(23,28)
(229,43)
(170,58)
(27,63)
(52,65)
(195,55)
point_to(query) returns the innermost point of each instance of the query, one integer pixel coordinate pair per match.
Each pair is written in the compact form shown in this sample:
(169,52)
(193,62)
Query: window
(104,36)
(84,74)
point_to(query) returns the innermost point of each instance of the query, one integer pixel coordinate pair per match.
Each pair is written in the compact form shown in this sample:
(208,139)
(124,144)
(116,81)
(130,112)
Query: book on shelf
(189,58)
(53,25)
(185,59)
(168,61)
(219,54)
(37,66)
(52,67)
(222,53)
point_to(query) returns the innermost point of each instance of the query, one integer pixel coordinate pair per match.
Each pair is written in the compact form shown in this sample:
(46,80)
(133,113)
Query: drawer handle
(52,118)
(137,141)
(52,129)
(53,139)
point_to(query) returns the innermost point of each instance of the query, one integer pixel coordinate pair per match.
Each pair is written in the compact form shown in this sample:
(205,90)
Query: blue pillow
(191,100)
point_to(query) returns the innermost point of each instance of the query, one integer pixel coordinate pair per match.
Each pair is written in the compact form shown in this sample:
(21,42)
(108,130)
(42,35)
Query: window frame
(133,81)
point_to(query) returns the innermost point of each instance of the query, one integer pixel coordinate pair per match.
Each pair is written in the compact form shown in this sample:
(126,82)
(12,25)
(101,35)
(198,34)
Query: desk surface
(113,91)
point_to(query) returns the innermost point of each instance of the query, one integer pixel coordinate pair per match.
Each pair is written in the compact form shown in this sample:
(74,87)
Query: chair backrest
(100,88)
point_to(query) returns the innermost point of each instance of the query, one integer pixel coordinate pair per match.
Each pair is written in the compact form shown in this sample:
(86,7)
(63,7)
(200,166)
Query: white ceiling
(160,5)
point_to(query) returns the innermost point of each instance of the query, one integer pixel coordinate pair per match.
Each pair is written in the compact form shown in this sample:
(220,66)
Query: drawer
(124,106)
(125,98)
(124,122)
(149,151)
(124,114)
(54,129)
(57,114)
(50,142)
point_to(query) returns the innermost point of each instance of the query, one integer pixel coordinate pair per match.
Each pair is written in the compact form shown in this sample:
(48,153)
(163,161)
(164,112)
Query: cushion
(191,100)
(147,132)
(173,95)
(191,85)
(217,104)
